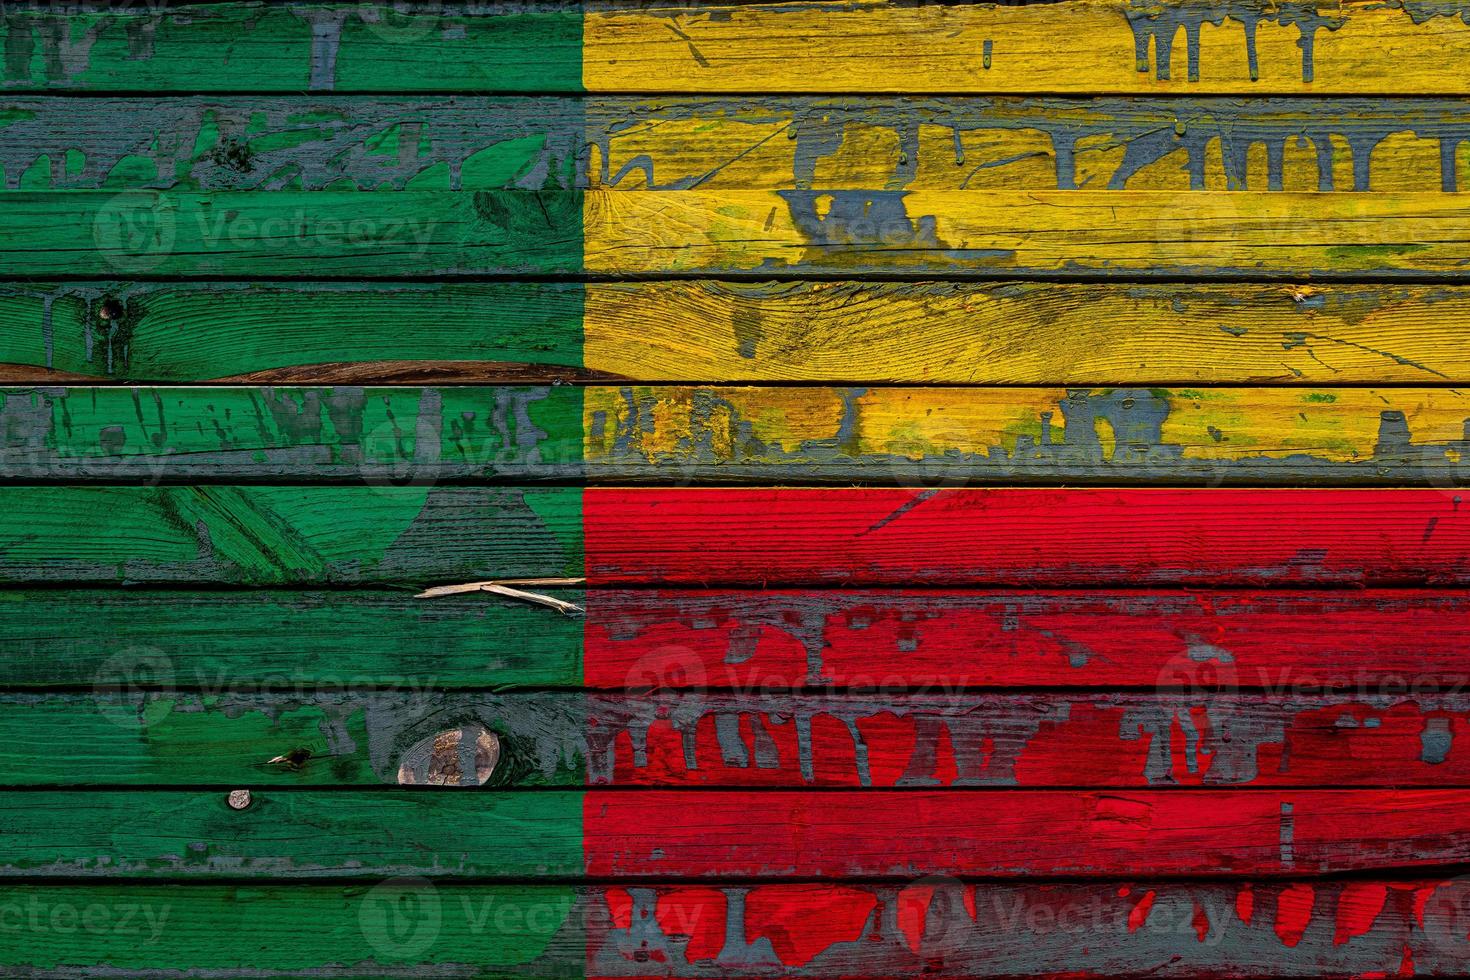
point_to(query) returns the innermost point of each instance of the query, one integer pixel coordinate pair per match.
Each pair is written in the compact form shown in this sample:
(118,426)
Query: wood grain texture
(856,929)
(1073,46)
(291,143)
(1391,436)
(275,332)
(1390,641)
(904,835)
(914,143)
(309,233)
(1257,537)
(519,45)
(731,834)
(287,535)
(1026,333)
(1036,233)
(222,736)
(927,436)
(845,332)
(292,642)
(166,834)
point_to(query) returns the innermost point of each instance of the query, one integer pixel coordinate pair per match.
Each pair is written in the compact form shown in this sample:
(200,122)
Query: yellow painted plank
(1028,333)
(1033,232)
(1075,46)
(1019,431)
(963,143)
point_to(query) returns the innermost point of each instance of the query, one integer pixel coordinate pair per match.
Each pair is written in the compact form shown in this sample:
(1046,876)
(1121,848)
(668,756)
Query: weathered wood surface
(1022,536)
(853,233)
(287,535)
(343,433)
(1393,642)
(840,233)
(856,929)
(122,736)
(1390,641)
(165,834)
(711,331)
(750,143)
(927,436)
(781,143)
(1076,46)
(509,45)
(1389,436)
(290,233)
(298,642)
(910,834)
(291,143)
(731,834)
(349,332)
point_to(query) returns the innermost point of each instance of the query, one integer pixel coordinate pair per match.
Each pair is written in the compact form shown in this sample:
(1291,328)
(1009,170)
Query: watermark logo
(135,231)
(401,918)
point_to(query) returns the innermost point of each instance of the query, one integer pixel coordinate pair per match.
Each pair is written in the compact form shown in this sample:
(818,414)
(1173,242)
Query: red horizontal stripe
(738,834)
(1391,641)
(767,536)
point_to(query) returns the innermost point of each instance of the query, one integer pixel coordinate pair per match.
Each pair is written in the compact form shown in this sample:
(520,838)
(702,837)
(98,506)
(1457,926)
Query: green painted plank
(509,45)
(311,233)
(287,535)
(118,737)
(343,433)
(400,927)
(280,331)
(292,641)
(283,833)
(291,143)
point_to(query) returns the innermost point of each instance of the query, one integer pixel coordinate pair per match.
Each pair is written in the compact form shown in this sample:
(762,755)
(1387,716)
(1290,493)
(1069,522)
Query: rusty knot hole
(463,756)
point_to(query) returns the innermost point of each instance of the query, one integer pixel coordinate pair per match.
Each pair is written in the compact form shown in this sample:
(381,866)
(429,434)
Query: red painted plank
(782,536)
(1034,740)
(942,926)
(1387,641)
(904,835)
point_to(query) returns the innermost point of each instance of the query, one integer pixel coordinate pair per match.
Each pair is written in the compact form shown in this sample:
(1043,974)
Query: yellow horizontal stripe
(1037,231)
(1027,333)
(1076,46)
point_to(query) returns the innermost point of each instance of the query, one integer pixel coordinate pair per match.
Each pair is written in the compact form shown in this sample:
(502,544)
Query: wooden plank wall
(973,490)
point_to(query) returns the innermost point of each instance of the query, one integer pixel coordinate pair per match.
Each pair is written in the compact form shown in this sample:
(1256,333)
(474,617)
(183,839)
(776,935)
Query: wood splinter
(505,587)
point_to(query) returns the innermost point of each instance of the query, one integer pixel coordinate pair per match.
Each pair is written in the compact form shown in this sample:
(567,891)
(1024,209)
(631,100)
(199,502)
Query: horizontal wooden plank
(842,233)
(909,143)
(1023,333)
(344,433)
(291,143)
(906,835)
(283,641)
(731,834)
(1390,641)
(307,233)
(1008,233)
(745,143)
(123,736)
(1340,436)
(1259,436)
(407,927)
(1075,46)
(285,333)
(285,535)
(1023,536)
(512,45)
(711,331)
(288,834)
(290,535)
